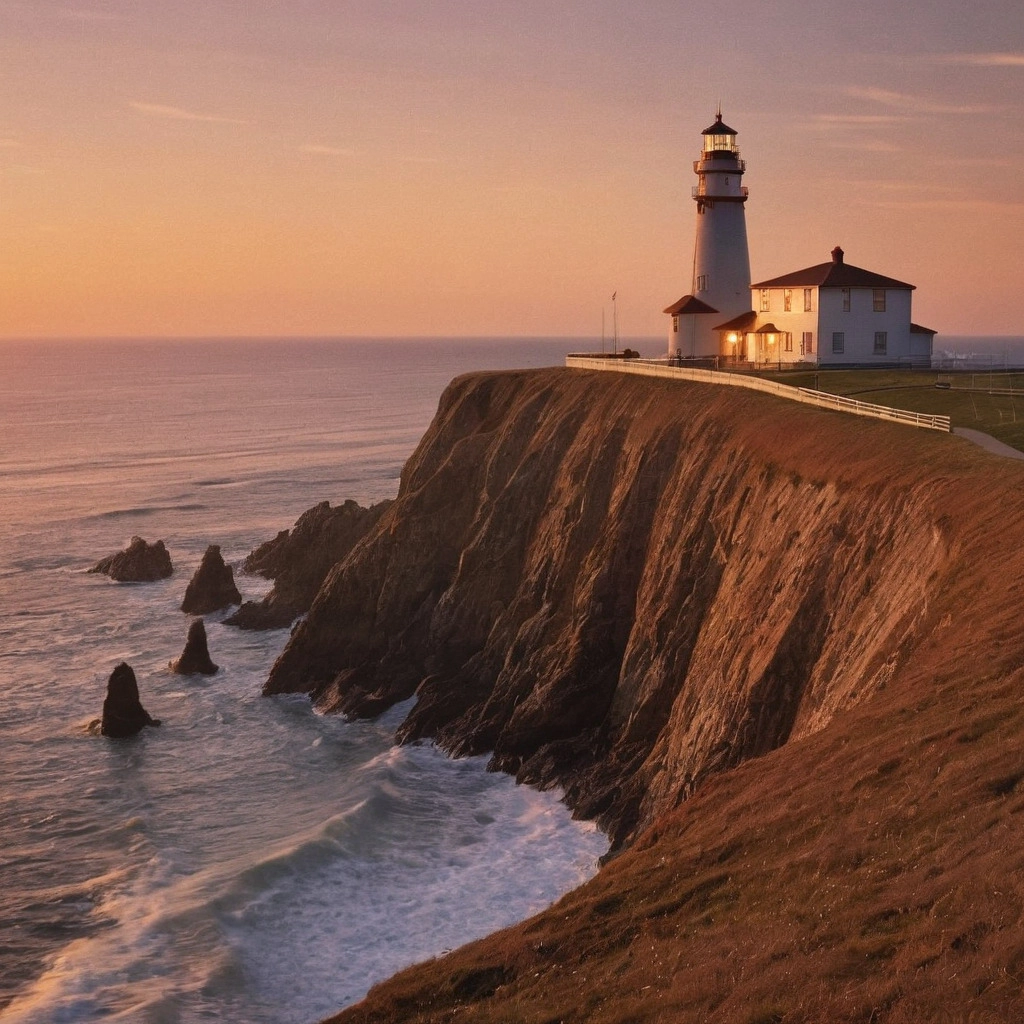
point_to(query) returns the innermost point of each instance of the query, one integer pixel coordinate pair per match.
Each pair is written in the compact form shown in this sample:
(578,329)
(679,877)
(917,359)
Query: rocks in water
(270,613)
(138,563)
(195,658)
(123,713)
(212,587)
(299,560)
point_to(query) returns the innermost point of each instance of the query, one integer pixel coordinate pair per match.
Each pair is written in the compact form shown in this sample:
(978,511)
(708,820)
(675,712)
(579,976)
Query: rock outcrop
(627,586)
(123,713)
(138,563)
(195,658)
(299,560)
(212,586)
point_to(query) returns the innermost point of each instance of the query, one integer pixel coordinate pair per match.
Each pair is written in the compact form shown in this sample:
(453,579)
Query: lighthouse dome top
(719,128)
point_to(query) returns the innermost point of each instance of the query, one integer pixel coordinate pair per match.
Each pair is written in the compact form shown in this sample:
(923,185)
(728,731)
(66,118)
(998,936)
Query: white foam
(426,854)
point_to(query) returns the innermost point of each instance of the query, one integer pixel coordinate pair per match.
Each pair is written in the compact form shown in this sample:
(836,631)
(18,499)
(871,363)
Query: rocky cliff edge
(626,586)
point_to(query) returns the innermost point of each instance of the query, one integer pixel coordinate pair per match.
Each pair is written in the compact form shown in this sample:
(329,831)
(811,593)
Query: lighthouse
(720,284)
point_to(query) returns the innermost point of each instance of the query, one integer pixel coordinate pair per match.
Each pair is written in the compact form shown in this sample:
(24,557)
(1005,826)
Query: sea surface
(249,860)
(996,352)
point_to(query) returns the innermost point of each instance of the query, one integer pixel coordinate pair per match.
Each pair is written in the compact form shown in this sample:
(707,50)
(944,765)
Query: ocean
(249,860)
(982,352)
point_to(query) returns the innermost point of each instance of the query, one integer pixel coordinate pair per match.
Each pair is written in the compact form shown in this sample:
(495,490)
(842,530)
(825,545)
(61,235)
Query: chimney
(837,255)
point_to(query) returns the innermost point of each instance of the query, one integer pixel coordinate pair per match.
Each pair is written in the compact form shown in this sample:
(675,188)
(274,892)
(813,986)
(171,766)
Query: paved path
(988,442)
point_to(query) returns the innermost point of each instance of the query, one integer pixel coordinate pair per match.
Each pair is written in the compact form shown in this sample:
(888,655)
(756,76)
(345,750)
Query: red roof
(718,128)
(918,329)
(688,304)
(738,323)
(835,274)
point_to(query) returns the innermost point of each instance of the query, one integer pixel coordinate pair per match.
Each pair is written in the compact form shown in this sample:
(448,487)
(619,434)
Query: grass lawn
(969,400)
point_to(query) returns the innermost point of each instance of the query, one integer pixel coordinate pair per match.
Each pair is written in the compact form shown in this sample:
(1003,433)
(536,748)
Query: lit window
(838,342)
(788,342)
(808,342)
(807,300)
(787,300)
(846,300)
(766,301)
(675,325)
(878,300)
(881,343)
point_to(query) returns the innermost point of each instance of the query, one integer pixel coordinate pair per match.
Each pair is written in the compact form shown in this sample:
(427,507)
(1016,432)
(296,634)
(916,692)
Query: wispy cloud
(849,131)
(911,104)
(326,150)
(913,188)
(972,161)
(983,60)
(179,114)
(994,206)
(88,14)
(854,120)
(867,146)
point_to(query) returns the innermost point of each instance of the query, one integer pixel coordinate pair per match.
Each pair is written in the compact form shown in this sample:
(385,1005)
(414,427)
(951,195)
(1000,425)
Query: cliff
(806,624)
(626,586)
(298,561)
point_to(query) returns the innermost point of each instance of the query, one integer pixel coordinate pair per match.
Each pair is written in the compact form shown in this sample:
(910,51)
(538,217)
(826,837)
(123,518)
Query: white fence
(742,380)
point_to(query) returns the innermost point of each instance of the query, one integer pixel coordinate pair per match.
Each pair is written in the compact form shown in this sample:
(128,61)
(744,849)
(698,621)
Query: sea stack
(138,563)
(123,713)
(195,659)
(212,587)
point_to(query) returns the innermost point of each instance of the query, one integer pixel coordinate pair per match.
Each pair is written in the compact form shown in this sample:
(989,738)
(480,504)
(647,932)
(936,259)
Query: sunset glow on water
(249,859)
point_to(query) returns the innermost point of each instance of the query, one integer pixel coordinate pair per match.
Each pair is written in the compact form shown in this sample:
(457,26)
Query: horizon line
(318,337)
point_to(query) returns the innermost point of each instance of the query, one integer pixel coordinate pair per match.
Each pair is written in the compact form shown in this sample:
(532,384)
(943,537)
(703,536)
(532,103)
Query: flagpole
(615,325)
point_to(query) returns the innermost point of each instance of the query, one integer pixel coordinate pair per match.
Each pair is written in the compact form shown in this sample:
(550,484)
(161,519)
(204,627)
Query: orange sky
(337,167)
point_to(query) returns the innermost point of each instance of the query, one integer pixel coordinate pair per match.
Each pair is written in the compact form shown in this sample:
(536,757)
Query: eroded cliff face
(623,586)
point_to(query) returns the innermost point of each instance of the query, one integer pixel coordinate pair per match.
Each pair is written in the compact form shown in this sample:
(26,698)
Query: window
(766,300)
(807,345)
(881,343)
(878,300)
(788,341)
(702,282)
(838,342)
(787,301)
(807,300)
(675,325)
(846,300)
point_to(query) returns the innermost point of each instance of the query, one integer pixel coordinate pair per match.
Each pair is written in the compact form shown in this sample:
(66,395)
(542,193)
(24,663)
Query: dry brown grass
(871,873)
(976,400)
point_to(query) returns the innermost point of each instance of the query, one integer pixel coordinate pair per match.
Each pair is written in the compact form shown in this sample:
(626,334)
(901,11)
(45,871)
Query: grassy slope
(873,872)
(970,400)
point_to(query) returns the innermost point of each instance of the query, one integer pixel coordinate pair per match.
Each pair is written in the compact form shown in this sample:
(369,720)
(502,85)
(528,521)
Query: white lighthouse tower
(720,286)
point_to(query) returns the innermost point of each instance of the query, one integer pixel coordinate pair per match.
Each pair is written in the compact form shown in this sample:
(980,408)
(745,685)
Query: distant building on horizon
(831,314)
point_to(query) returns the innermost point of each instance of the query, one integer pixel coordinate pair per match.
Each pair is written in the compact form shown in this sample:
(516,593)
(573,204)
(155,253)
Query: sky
(491,167)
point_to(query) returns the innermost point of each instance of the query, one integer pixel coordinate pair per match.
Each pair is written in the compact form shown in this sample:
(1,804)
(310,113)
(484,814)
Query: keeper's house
(832,314)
